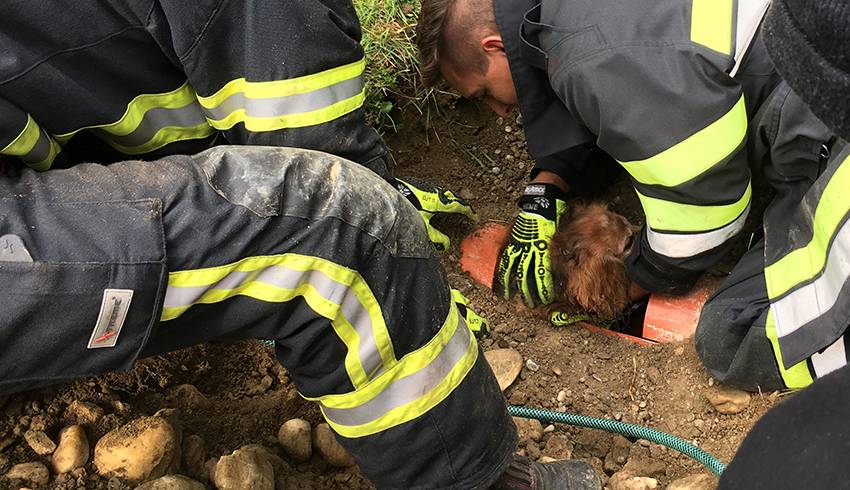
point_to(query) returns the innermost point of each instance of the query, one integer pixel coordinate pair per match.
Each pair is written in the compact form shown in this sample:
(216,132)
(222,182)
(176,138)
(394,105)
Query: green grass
(392,74)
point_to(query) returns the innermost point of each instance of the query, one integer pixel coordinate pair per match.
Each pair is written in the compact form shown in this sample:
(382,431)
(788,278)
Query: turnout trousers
(737,332)
(103,264)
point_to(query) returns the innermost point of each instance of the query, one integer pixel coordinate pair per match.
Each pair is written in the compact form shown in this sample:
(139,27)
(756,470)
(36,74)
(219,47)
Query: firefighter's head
(459,41)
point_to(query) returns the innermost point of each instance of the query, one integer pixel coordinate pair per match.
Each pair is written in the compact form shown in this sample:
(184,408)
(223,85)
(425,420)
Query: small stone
(679,351)
(73,450)
(506,365)
(546,459)
(557,371)
(508,129)
(644,442)
(495,170)
(624,480)
(694,482)
(326,444)
(172,482)
(295,437)
(558,447)
(189,396)
(34,473)
(710,381)
(243,470)
(562,396)
(84,413)
(141,450)
(642,404)
(194,456)
(549,428)
(532,366)
(39,442)
(728,400)
(528,430)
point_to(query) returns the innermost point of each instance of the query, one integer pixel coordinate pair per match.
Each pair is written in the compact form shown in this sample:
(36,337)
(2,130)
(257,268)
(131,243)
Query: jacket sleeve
(23,138)
(677,123)
(585,168)
(271,72)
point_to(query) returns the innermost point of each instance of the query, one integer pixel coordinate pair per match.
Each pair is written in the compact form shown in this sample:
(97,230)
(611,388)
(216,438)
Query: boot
(568,474)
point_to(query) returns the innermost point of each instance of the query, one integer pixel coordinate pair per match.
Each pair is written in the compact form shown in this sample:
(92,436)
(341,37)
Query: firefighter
(103,264)
(684,96)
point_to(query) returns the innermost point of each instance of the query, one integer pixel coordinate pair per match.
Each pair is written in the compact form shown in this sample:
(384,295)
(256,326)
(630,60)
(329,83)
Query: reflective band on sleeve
(832,358)
(816,298)
(795,377)
(695,155)
(334,292)
(806,262)
(280,104)
(685,245)
(711,24)
(34,146)
(419,382)
(662,215)
(750,15)
(152,121)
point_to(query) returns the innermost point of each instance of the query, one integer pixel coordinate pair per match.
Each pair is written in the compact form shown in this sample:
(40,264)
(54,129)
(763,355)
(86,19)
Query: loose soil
(247,395)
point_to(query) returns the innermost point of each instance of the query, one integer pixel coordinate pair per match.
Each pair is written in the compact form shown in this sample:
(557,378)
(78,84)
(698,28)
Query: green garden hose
(630,431)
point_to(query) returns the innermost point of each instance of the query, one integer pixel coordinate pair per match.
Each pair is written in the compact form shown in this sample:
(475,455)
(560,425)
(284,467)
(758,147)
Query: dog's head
(587,259)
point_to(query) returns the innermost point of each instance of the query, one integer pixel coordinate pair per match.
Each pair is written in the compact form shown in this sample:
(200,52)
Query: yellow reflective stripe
(180,98)
(283,88)
(797,376)
(47,162)
(711,24)
(250,286)
(806,262)
(25,141)
(695,155)
(260,124)
(407,366)
(664,215)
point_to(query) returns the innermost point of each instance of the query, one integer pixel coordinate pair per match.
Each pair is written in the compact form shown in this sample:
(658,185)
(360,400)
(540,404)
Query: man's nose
(498,107)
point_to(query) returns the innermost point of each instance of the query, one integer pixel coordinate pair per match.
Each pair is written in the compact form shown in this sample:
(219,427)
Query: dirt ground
(246,395)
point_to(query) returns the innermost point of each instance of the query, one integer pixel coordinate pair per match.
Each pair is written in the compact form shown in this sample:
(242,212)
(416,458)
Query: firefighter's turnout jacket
(151,78)
(676,91)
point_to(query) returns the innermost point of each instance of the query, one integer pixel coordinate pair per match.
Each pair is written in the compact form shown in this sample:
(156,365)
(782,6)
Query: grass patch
(392,66)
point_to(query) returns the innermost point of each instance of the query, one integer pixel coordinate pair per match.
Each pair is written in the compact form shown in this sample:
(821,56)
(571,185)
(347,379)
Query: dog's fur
(587,260)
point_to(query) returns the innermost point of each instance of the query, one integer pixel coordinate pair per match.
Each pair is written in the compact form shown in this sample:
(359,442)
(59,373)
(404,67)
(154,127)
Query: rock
(528,430)
(546,459)
(142,450)
(243,470)
(619,454)
(558,447)
(39,442)
(194,457)
(642,465)
(506,365)
(700,481)
(73,450)
(295,437)
(728,400)
(325,442)
(172,482)
(190,397)
(84,413)
(623,480)
(279,466)
(532,366)
(34,473)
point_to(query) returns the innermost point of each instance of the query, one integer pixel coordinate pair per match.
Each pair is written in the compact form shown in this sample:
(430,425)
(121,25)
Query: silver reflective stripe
(156,119)
(807,303)
(290,104)
(285,278)
(832,358)
(750,15)
(41,150)
(405,390)
(683,245)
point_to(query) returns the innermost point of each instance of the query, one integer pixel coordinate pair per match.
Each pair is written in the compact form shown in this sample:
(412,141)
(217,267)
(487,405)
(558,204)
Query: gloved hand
(524,265)
(478,325)
(431,200)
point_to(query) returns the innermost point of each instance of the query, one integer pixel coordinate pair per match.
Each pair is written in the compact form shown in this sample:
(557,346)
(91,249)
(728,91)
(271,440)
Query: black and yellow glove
(477,324)
(431,200)
(525,264)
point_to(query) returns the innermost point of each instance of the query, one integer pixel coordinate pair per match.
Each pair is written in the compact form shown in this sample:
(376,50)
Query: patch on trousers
(12,249)
(110,320)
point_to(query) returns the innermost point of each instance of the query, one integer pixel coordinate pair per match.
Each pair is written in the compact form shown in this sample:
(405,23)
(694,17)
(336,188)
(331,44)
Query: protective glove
(431,200)
(478,325)
(525,265)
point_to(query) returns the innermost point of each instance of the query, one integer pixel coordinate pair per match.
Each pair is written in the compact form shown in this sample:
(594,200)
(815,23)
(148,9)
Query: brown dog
(587,260)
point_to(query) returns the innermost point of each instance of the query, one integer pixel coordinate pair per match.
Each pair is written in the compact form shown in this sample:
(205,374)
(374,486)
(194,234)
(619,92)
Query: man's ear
(493,44)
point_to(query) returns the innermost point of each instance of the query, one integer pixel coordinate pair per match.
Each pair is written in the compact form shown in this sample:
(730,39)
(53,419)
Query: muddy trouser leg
(730,336)
(301,247)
